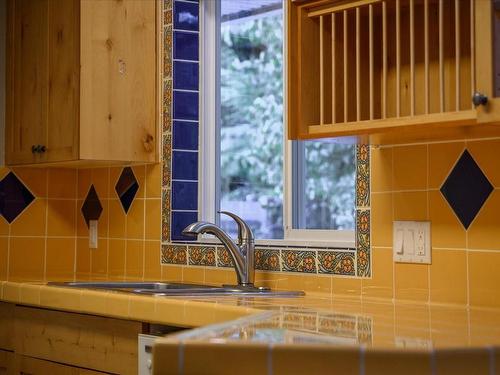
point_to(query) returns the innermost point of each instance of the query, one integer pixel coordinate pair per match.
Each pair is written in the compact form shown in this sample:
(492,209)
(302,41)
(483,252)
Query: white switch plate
(412,241)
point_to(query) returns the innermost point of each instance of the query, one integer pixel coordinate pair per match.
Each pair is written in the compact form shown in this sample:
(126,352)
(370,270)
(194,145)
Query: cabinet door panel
(118,80)
(64,56)
(33,366)
(27,79)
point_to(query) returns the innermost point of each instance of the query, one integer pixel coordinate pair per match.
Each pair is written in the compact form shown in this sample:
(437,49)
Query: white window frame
(209,145)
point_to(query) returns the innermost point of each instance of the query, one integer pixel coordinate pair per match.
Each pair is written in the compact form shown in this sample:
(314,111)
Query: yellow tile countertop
(293,335)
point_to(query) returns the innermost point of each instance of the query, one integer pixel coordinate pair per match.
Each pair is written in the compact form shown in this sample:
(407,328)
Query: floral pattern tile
(336,262)
(298,261)
(174,254)
(224,259)
(202,256)
(363,242)
(362,176)
(267,260)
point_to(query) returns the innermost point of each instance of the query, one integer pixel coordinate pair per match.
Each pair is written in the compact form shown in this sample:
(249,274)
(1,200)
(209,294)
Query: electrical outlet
(412,241)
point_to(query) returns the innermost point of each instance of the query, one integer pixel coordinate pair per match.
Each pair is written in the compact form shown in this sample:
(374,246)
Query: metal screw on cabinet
(479,99)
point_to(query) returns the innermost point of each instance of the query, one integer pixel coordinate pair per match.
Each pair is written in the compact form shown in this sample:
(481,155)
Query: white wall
(2,79)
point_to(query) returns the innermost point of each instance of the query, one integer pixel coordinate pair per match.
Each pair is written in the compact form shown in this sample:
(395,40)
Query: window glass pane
(251,115)
(328,178)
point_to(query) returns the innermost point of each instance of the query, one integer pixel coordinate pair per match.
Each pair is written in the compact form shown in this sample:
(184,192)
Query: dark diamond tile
(466,189)
(14,197)
(91,208)
(185,135)
(126,188)
(186,16)
(181,220)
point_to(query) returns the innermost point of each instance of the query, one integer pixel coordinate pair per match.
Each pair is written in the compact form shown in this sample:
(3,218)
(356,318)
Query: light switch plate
(93,224)
(412,242)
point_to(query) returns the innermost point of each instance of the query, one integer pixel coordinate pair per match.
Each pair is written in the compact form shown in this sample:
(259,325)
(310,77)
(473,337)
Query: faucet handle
(244,231)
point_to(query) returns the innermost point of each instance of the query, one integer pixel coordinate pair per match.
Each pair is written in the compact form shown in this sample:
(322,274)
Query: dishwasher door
(145,354)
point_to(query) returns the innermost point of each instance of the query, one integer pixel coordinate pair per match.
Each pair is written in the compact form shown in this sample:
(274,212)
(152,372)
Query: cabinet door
(64,67)
(33,366)
(27,79)
(118,80)
(487,21)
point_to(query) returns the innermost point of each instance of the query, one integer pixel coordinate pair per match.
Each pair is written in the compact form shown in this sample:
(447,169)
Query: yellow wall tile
(411,281)
(26,258)
(171,272)
(61,218)
(60,262)
(134,260)
(381,219)
(35,180)
(135,220)
(83,269)
(152,267)
(446,230)
(485,154)
(84,181)
(410,167)
(484,279)
(449,276)
(216,276)
(153,219)
(347,286)
(410,206)
(153,180)
(99,259)
(483,233)
(117,219)
(31,222)
(62,183)
(116,266)
(100,179)
(314,359)
(194,275)
(4,251)
(442,158)
(381,283)
(381,169)
(4,227)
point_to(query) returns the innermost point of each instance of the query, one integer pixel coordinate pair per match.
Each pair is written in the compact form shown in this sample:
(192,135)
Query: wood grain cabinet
(389,71)
(82,81)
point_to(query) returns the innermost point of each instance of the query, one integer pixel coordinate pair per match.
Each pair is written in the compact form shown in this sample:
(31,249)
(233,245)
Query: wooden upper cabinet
(82,81)
(392,71)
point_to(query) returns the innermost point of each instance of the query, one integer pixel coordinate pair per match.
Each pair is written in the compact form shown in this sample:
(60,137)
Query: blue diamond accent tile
(126,188)
(91,208)
(14,197)
(466,189)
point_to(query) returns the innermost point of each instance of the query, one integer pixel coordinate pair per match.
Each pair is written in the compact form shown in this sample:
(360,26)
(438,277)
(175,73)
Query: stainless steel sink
(179,289)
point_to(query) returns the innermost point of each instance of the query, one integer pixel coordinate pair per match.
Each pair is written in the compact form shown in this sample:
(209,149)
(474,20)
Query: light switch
(93,234)
(412,241)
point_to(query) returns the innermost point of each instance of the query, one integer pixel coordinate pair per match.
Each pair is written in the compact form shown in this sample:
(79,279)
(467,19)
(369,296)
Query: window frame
(210,144)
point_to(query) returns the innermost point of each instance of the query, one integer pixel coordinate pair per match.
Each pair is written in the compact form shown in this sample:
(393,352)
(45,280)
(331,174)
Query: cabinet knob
(38,149)
(479,99)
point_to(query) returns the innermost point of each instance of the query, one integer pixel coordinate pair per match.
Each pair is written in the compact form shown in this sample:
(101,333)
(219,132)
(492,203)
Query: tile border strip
(301,259)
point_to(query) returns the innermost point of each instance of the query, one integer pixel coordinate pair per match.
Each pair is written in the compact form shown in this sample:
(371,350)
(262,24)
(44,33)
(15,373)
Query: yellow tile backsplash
(49,240)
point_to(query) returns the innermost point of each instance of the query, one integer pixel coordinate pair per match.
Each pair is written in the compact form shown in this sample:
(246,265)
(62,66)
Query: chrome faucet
(241,252)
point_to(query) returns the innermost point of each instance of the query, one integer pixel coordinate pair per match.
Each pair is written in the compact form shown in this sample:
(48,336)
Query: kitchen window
(292,191)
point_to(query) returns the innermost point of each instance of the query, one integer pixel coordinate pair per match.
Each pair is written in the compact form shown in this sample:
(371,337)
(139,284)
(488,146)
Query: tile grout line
(76,226)
(46,224)
(144,225)
(109,218)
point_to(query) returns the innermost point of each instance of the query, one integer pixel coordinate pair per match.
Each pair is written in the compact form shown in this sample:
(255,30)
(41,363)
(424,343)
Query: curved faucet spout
(201,227)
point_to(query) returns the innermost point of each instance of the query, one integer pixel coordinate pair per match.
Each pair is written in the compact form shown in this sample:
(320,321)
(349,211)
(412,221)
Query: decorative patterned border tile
(173,254)
(355,263)
(267,260)
(298,261)
(336,262)
(202,256)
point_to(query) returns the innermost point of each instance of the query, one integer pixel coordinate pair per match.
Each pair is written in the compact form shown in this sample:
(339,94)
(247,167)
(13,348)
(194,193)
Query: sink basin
(179,289)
